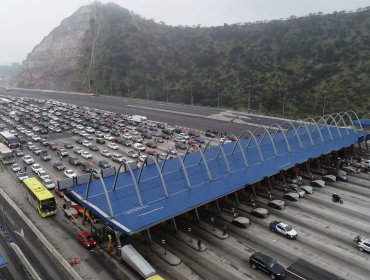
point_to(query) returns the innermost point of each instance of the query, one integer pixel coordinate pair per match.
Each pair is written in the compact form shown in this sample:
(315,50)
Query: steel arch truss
(201,159)
(94,171)
(337,115)
(237,142)
(283,132)
(345,114)
(316,126)
(249,141)
(263,136)
(324,123)
(327,117)
(353,113)
(307,130)
(159,172)
(295,132)
(220,149)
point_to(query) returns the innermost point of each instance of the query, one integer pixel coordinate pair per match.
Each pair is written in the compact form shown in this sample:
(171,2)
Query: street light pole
(285,94)
(323,107)
(249,98)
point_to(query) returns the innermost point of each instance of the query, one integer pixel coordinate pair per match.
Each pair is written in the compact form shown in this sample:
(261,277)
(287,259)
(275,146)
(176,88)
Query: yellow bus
(40,197)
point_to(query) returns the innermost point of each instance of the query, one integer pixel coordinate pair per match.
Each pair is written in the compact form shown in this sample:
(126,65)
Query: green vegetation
(296,58)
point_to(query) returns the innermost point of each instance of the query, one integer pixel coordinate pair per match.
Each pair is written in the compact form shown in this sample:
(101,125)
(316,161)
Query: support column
(236,198)
(254,191)
(269,183)
(283,177)
(218,206)
(174,225)
(196,215)
(118,235)
(149,236)
(308,167)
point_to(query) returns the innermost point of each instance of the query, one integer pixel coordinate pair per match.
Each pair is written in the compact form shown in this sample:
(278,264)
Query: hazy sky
(24,23)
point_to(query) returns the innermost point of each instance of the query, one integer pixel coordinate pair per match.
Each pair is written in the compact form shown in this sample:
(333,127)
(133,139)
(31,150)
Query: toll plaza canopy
(362,122)
(137,199)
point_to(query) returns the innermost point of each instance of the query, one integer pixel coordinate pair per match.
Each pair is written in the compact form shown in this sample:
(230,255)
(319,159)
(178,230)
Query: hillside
(297,58)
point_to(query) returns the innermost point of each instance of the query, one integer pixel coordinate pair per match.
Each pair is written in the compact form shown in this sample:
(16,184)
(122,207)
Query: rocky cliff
(55,63)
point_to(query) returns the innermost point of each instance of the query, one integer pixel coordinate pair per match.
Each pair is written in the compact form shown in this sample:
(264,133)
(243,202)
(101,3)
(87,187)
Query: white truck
(138,118)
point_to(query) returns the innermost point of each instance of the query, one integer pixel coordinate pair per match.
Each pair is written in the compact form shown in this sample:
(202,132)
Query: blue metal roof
(130,217)
(363,122)
(2,261)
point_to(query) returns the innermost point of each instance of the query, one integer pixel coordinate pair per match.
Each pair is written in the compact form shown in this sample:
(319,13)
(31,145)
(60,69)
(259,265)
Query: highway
(200,118)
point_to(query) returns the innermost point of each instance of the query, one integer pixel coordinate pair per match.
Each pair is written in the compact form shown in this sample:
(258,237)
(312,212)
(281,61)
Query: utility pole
(323,107)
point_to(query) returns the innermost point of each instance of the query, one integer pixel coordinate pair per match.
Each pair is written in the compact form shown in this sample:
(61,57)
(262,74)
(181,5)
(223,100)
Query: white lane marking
(300,277)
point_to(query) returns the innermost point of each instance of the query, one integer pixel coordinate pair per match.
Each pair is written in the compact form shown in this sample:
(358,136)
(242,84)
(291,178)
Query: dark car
(79,141)
(180,146)
(127,143)
(53,146)
(68,145)
(74,161)
(59,166)
(93,147)
(104,164)
(151,144)
(100,141)
(209,134)
(167,131)
(267,264)
(86,167)
(340,175)
(117,140)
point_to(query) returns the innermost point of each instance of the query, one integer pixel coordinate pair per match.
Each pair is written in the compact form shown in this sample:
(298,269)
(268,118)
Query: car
(108,137)
(79,141)
(86,167)
(172,151)
(70,173)
(53,146)
(158,140)
(151,144)
(100,141)
(104,164)
(22,175)
(209,134)
(340,175)
(126,143)
(329,178)
(18,153)
(118,158)
(127,136)
(180,146)
(45,156)
(68,145)
(363,243)
(132,154)
(86,155)
(36,167)
(162,156)
(42,174)
(36,150)
(86,240)
(142,158)
(74,161)
(283,229)
(86,143)
(78,150)
(295,188)
(139,147)
(118,140)
(44,142)
(113,146)
(318,184)
(59,166)
(15,167)
(267,264)
(106,153)
(48,183)
(94,147)
(152,153)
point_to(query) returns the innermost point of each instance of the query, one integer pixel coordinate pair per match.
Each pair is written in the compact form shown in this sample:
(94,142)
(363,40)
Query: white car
(48,183)
(78,150)
(162,156)
(127,136)
(142,158)
(113,146)
(15,167)
(70,173)
(36,167)
(108,137)
(363,243)
(283,229)
(99,134)
(106,153)
(88,136)
(42,174)
(139,147)
(28,159)
(36,138)
(86,143)
(118,157)
(22,175)
(86,155)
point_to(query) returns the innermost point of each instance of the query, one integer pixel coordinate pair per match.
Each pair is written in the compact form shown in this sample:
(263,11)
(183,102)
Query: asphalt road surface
(12,228)
(200,118)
